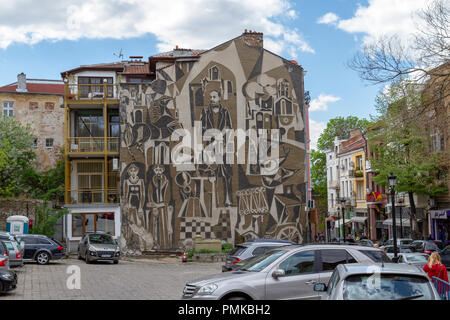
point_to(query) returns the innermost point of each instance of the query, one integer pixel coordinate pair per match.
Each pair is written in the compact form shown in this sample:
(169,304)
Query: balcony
(83,145)
(92,196)
(91,93)
(333,184)
(356,174)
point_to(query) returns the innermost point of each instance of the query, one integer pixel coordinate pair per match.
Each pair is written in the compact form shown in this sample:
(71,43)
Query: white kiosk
(17,225)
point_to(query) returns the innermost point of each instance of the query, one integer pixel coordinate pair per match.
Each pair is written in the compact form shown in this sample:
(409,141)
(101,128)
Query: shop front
(440,224)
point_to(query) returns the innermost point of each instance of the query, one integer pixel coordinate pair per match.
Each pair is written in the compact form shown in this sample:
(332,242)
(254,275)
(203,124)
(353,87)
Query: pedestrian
(434,267)
(376,245)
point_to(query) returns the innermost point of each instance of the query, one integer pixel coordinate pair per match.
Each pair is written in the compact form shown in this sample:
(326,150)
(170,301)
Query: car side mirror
(320,287)
(278,273)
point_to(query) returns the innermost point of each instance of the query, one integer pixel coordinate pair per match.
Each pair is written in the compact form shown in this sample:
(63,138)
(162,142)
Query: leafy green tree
(16,155)
(401,142)
(339,127)
(47,217)
(319,174)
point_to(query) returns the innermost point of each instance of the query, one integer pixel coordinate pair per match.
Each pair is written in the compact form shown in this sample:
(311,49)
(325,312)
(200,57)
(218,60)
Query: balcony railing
(93,144)
(358,174)
(78,196)
(100,91)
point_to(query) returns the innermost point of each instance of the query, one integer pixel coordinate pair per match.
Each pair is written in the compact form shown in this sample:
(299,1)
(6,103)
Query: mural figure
(134,188)
(216,116)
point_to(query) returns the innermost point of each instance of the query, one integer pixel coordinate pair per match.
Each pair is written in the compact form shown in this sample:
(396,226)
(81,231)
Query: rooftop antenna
(120,55)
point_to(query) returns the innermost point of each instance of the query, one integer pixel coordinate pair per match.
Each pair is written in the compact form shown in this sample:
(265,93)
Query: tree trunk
(415,235)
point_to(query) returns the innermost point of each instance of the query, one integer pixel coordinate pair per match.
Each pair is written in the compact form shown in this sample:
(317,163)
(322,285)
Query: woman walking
(434,267)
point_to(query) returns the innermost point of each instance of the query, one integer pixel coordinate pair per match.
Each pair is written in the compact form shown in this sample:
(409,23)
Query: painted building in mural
(170,191)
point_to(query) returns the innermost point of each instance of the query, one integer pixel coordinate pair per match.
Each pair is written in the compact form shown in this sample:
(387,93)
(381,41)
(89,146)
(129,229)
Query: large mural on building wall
(170,193)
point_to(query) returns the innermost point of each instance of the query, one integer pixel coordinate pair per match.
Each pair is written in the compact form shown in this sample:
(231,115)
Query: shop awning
(405,222)
(340,222)
(359,219)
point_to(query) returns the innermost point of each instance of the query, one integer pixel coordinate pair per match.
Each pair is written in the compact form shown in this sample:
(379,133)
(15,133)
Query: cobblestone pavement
(149,279)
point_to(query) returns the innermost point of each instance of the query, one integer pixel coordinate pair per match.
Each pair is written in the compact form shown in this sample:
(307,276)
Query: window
(333,281)
(30,240)
(43,241)
(92,87)
(93,222)
(8,108)
(90,182)
(331,258)
(375,255)
(261,250)
(34,144)
(49,143)
(299,263)
(89,123)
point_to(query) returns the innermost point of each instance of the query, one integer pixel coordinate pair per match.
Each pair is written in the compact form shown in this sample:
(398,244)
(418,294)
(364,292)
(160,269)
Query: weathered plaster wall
(164,204)
(46,119)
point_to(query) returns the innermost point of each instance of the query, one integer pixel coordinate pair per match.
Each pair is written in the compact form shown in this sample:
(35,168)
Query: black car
(8,280)
(41,248)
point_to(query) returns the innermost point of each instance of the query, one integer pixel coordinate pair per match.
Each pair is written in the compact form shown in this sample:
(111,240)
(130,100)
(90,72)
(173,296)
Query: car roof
(34,235)
(270,240)
(330,246)
(368,268)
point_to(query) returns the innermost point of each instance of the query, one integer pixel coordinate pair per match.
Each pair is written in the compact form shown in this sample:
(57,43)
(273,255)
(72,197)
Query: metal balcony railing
(78,196)
(92,144)
(100,91)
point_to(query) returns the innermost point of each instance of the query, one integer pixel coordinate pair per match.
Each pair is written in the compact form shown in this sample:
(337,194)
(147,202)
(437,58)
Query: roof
(37,86)
(136,69)
(368,268)
(352,144)
(179,53)
(112,66)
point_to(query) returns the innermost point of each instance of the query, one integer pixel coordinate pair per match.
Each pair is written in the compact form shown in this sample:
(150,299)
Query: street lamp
(343,217)
(392,180)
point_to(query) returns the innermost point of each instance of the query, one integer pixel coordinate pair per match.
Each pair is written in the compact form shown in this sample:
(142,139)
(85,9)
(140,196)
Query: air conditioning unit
(74,147)
(115,164)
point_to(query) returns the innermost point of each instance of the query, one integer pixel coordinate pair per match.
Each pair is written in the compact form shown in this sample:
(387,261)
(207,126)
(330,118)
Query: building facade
(38,103)
(170,191)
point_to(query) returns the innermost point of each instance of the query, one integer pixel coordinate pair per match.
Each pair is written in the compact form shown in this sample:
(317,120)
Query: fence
(442,287)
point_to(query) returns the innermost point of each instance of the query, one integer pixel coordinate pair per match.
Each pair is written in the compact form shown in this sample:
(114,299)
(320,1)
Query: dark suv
(249,249)
(41,248)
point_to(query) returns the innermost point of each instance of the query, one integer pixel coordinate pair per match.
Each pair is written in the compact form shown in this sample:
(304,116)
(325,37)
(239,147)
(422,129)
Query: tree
(319,184)
(401,144)
(339,127)
(389,58)
(47,217)
(16,155)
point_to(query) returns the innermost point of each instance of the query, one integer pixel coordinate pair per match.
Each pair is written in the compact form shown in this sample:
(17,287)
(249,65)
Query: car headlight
(208,289)
(92,249)
(7,276)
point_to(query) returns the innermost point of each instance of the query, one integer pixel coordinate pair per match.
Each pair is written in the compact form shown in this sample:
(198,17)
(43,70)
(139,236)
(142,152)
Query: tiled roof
(179,53)
(137,69)
(116,66)
(47,88)
(352,144)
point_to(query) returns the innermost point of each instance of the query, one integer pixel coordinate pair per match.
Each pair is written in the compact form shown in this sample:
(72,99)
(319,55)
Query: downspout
(308,165)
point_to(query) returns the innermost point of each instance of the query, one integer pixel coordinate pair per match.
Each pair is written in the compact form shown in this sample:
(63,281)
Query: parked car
(401,249)
(250,249)
(8,280)
(400,242)
(98,246)
(41,248)
(14,253)
(445,257)
(365,242)
(288,272)
(11,237)
(415,258)
(4,256)
(395,282)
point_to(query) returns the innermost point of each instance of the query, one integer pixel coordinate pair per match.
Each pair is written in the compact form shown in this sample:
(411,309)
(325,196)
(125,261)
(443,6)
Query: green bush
(227,247)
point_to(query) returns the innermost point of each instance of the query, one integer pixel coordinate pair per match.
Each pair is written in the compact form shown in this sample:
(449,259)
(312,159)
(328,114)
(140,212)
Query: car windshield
(101,239)
(387,287)
(237,250)
(258,263)
(376,255)
(416,258)
(9,245)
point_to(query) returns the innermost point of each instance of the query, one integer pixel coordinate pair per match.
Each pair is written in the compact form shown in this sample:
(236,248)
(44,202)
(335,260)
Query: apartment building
(37,103)
(92,139)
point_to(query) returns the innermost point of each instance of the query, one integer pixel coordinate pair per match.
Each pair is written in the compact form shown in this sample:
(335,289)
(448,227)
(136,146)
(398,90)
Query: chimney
(253,38)
(21,82)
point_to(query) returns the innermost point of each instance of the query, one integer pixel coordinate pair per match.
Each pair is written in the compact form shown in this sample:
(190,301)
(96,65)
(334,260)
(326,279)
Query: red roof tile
(46,88)
(137,69)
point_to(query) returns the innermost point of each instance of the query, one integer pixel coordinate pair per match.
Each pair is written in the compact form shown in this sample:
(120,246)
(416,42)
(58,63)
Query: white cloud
(384,18)
(315,129)
(329,18)
(321,103)
(200,24)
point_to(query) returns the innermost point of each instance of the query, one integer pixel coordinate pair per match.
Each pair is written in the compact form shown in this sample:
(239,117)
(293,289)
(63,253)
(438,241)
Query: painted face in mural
(158,170)
(133,173)
(214,100)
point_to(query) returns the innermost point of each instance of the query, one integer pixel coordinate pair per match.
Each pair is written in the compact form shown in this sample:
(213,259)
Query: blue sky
(51,37)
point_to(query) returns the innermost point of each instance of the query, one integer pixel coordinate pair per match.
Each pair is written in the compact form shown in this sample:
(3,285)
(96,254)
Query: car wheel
(86,258)
(116,261)
(79,255)
(42,258)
